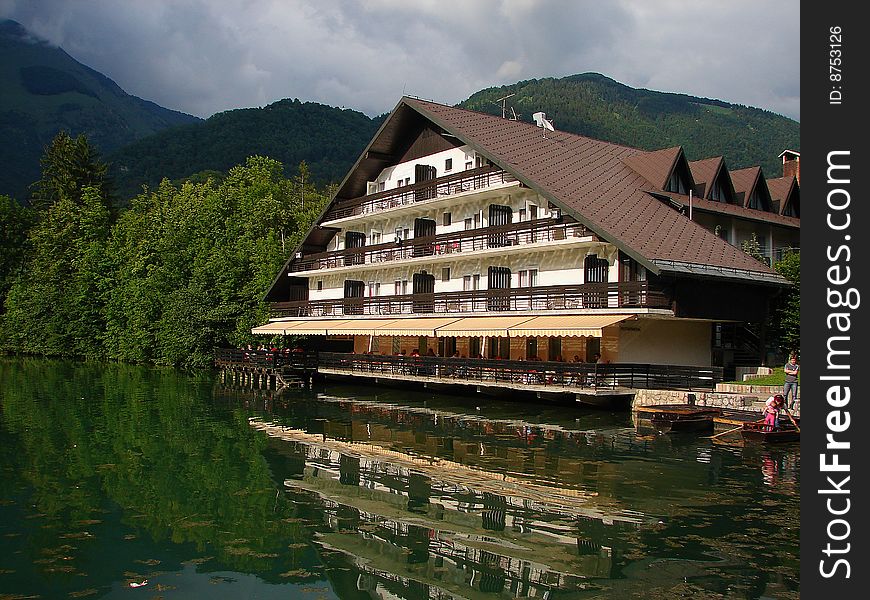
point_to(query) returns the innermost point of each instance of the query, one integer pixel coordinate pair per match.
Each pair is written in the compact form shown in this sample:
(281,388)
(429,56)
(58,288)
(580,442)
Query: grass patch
(775,378)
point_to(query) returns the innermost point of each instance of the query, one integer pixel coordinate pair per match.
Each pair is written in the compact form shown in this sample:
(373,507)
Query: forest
(180,270)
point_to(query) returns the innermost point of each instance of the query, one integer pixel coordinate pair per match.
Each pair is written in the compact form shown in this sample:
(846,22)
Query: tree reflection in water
(113,474)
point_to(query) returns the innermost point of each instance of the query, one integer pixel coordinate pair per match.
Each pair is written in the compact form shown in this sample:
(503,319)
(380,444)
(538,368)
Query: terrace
(526,375)
(504,238)
(465,182)
(632,295)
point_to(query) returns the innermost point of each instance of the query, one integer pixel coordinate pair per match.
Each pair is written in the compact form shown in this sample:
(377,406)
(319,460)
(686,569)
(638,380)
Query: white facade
(536,262)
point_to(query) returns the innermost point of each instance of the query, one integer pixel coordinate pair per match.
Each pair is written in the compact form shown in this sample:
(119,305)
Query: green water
(115,475)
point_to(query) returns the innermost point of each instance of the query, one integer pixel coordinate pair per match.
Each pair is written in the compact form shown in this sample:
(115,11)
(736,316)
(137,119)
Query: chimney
(791,164)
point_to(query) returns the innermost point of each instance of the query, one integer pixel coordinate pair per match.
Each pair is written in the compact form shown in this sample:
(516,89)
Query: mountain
(45,90)
(596,106)
(328,139)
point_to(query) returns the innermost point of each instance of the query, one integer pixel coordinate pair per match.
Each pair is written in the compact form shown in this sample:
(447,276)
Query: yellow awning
(422,326)
(481,326)
(322,327)
(274,327)
(357,326)
(566,325)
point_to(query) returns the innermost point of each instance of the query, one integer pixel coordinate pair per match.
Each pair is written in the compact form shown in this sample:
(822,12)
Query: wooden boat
(757,432)
(675,418)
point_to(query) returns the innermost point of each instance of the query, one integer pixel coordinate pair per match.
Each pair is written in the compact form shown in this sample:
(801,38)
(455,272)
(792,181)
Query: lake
(123,481)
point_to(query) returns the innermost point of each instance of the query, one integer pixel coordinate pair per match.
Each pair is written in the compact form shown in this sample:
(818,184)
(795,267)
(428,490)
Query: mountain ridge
(46,90)
(142,151)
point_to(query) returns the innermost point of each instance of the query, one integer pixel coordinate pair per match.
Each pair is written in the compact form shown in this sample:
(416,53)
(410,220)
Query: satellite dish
(542,121)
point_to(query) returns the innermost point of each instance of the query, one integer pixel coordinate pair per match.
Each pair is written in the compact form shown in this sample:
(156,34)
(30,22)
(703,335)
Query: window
(523,214)
(478,161)
(471,282)
(376,237)
(677,183)
(446,219)
(448,164)
(469,224)
(533,212)
(320,286)
(382,186)
(528,278)
(468,165)
(401,287)
(445,274)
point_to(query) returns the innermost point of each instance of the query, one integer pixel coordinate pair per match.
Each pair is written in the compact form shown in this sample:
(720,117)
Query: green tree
(15,222)
(787,314)
(54,306)
(192,263)
(69,165)
(753,249)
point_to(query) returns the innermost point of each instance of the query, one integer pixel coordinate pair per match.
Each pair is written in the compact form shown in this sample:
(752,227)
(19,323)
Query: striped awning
(429,327)
(481,326)
(358,326)
(274,327)
(322,327)
(566,325)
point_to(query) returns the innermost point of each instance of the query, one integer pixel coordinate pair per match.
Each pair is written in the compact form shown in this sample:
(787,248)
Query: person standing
(791,381)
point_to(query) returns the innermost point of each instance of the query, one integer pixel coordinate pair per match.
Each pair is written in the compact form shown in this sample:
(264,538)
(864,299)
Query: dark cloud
(205,56)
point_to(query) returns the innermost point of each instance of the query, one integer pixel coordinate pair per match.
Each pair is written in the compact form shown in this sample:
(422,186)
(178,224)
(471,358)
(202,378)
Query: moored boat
(679,418)
(758,432)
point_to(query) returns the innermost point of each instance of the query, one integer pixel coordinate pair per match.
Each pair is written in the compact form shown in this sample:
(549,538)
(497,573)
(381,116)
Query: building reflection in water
(418,502)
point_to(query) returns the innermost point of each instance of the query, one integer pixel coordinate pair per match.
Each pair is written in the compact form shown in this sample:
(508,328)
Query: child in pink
(771,412)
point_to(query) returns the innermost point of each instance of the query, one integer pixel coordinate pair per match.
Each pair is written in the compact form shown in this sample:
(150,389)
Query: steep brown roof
(655,166)
(704,173)
(744,181)
(781,189)
(592,181)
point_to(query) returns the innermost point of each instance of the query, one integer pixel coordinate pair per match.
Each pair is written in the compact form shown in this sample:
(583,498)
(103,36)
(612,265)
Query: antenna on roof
(542,122)
(503,101)
(515,116)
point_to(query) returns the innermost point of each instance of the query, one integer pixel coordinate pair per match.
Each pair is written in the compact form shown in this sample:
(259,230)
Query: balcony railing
(634,294)
(464,181)
(567,376)
(527,232)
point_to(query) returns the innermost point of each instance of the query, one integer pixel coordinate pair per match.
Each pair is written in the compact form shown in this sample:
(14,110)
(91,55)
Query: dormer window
(716,193)
(677,183)
(793,208)
(759,200)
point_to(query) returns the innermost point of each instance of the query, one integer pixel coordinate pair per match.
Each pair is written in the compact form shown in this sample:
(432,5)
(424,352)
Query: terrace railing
(240,357)
(528,232)
(464,181)
(556,375)
(633,294)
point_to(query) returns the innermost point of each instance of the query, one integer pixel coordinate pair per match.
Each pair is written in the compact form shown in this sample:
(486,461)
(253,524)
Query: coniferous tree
(69,165)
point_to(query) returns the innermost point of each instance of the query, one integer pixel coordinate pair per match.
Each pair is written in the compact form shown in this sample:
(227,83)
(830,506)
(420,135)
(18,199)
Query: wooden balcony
(630,295)
(465,181)
(449,244)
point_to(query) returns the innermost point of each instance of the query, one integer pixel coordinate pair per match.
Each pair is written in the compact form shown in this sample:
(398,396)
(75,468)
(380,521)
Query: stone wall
(717,399)
(744,397)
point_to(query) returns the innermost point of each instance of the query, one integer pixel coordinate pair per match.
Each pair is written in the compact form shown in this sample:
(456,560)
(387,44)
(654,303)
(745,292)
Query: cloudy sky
(205,56)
